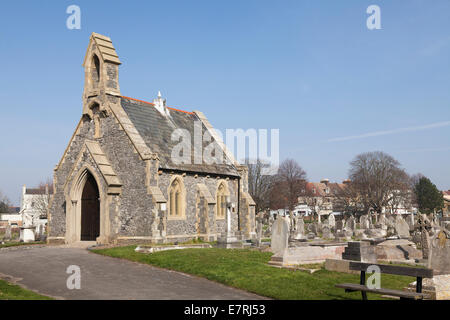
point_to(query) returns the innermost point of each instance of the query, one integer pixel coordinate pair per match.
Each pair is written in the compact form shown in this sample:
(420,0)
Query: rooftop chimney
(160,105)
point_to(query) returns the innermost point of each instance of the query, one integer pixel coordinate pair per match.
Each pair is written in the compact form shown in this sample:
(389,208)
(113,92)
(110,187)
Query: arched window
(95,69)
(176,204)
(221,201)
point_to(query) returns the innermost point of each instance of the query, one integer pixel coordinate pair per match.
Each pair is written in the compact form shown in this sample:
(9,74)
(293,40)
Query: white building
(33,207)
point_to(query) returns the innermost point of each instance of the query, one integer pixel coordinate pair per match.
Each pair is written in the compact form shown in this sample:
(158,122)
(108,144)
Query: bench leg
(419,285)
(363,282)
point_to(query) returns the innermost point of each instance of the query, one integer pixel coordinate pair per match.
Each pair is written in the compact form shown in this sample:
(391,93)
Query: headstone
(326,232)
(8,232)
(364,222)
(439,259)
(383,222)
(350,223)
(312,228)
(410,221)
(422,227)
(401,227)
(332,221)
(339,226)
(300,229)
(348,233)
(259,225)
(280,235)
(360,251)
(311,236)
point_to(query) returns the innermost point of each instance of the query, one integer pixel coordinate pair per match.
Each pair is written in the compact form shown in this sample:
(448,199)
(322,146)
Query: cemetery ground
(9,291)
(247,269)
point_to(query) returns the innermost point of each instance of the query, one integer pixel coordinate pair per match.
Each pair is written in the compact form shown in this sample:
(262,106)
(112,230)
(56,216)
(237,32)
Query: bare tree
(290,181)
(377,177)
(259,184)
(5,203)
(347,199)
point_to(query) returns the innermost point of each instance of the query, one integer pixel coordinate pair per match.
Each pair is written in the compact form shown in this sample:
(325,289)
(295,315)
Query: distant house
(12,217)
(34,203)
(324,197)
(446,209)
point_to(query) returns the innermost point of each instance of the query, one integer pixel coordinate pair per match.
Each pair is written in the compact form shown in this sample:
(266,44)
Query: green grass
(10,291)
(15,244)
(247,269)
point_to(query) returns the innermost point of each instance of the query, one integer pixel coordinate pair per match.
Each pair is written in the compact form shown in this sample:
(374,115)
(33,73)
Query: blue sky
(310,68)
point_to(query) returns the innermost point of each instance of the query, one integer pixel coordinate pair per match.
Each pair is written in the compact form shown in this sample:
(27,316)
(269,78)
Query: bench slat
(390,292)
(389,269)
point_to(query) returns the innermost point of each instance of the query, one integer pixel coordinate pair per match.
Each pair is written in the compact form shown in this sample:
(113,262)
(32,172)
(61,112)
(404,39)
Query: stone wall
(130,213)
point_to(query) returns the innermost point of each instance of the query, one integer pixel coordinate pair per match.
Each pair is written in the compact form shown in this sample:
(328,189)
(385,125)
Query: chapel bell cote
(101,72)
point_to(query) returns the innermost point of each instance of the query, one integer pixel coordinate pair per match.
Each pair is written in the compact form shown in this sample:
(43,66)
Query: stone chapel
(117,182)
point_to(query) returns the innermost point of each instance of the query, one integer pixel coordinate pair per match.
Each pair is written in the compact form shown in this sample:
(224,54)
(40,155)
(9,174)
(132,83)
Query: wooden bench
(419,273)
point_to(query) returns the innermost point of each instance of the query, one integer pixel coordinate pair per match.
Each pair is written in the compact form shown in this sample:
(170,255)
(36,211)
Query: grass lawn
(15,244)
(247,269)
(10,291)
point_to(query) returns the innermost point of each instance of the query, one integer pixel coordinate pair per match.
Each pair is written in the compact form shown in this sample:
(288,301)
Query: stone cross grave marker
(423,226)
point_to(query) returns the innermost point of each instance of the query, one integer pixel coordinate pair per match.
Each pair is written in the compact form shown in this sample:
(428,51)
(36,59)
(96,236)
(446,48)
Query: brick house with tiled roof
(446,209)
(119,181)
(323,197)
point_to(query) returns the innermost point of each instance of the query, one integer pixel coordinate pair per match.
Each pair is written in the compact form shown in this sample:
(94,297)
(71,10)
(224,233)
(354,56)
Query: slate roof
(38,191)
(156,130)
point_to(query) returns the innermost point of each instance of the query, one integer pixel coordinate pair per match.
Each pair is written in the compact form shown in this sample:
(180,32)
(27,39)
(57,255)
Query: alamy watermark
(374,281)
(207,147)
(74,20)
(374,20)
(74,280)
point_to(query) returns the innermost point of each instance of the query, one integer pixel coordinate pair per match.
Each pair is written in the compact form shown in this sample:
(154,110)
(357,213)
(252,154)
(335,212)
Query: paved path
(43,269)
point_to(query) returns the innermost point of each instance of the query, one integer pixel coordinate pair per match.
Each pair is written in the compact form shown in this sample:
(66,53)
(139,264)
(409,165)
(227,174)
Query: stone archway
(86,209)
(90,210)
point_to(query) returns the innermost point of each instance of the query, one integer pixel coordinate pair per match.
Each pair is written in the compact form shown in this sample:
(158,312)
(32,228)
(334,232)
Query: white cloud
(393,131)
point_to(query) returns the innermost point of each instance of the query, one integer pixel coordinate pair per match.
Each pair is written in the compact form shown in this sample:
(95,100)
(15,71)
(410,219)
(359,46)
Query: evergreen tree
(429,198)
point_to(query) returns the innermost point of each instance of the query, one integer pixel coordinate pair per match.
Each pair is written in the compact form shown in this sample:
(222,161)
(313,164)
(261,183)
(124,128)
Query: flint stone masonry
(124,144)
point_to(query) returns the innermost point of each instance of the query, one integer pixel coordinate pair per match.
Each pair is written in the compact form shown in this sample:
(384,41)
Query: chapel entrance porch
(90,210)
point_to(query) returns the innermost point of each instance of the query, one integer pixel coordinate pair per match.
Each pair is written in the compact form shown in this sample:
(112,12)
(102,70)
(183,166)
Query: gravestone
(311,236)
(360,251)
(383,222)
(350,224)
(339,226)
(8,232)
(312,228)
(300,229)
(332,221)
(364,222)
(326,232)
(422,227)
(410,221)
(401,227)
(440,252)
(280,235)
(259,227)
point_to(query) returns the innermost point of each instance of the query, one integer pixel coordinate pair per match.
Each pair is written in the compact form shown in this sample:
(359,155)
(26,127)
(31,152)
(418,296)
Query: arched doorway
(90,210)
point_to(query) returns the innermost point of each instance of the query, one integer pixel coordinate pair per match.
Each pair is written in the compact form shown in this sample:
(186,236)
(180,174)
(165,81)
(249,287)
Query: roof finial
(159,94)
